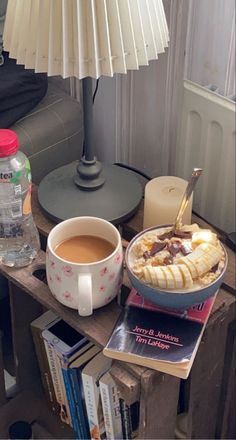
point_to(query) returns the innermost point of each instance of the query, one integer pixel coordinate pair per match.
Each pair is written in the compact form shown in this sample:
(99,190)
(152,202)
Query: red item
(8,142)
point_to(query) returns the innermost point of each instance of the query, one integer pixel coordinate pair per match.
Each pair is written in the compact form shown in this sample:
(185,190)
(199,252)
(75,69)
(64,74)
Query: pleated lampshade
(84,38)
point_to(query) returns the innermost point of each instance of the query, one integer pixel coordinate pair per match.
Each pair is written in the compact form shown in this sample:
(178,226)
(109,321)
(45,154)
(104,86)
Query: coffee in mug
(84,249)
(84,263)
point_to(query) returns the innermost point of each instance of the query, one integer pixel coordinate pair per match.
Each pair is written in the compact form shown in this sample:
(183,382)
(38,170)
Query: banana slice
(202,266)
(202,259)
(204,236)
(189,264)
(170,279)
(149,275)
(161,278)
(146,275)
(158,276)
(191,261)
(214,254)
(190,228)
(188,281)
(198,253)
(177,274)
(155,276)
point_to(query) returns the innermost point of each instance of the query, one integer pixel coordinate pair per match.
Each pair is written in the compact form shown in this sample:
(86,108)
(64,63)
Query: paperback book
(162,339)
(111,407)
(91,375)
(62,343)
(72,374)
(37,326)
(129,419)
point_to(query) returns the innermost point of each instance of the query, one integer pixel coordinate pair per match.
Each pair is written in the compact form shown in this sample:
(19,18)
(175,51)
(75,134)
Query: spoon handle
(188,192)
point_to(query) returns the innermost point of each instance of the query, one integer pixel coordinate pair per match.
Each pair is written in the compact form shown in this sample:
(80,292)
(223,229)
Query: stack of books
(77,382)
(76,373)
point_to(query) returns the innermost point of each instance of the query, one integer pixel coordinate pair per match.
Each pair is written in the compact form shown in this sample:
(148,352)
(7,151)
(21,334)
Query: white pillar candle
(162,199)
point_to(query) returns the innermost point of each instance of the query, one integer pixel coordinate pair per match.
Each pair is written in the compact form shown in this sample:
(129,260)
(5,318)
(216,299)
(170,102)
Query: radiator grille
(206,139)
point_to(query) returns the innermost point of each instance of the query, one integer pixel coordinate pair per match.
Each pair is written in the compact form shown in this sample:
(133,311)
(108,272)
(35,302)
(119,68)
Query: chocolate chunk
(186,248)
(168,260)
(182,234)
(156,247)
(214,268)
(146,255)
(166,235)
(174,248)
(176,240)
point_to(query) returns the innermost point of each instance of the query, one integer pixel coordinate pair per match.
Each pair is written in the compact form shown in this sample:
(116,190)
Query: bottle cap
(20,430)
(8,142)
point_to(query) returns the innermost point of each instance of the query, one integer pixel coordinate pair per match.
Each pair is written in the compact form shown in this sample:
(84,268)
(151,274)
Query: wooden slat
(40,432)
(129,386)
(229,277)
(207,371)
(135,370)
(97,327)
(226,420)
(2,381)
(158,405)
(26,370)
(224,301)
(157,411)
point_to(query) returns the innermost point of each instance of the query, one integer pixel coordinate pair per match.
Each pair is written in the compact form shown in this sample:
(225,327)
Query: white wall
(210,44)
(137,115)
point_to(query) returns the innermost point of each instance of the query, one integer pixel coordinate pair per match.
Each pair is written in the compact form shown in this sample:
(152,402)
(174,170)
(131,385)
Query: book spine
(55,379)
(125,420)
(111,410)
(44,369)
(79,402)
(91,394)
(107,411)
(68,419)
(72,407)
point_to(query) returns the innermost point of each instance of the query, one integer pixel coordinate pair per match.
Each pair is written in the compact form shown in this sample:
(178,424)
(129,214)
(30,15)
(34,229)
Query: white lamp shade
(85,37)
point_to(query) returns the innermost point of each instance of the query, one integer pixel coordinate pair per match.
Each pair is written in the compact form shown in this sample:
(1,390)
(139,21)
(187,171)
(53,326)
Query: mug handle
(85,303)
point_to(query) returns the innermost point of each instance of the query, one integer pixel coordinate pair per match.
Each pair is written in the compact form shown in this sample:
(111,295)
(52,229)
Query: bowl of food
(176,269)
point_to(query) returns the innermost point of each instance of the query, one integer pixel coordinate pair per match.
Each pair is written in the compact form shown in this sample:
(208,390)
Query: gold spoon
(187,194)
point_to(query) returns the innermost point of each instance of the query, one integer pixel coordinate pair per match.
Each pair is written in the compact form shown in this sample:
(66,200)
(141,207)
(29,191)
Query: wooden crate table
(207,393)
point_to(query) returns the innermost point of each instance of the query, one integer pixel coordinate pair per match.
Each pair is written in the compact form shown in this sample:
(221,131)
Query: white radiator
(206,140)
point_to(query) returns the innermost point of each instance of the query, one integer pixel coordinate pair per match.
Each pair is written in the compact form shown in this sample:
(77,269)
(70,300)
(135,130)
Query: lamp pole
(89,176)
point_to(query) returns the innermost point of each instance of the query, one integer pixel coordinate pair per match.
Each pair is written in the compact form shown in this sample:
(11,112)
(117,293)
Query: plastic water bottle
(19,238)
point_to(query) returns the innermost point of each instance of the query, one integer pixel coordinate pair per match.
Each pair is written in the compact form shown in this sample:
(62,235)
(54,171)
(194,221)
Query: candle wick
(171,189)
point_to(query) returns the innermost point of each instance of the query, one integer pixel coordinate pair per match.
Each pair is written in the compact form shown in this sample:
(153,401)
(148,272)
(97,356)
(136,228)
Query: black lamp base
(116,201)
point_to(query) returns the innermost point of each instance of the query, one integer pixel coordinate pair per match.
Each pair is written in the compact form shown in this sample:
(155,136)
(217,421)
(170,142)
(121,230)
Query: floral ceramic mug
(84,286)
